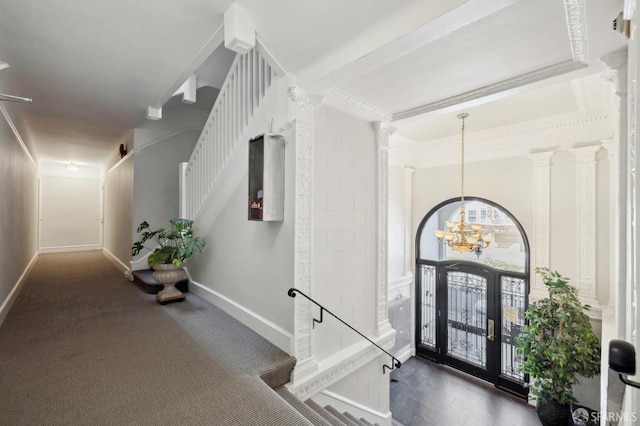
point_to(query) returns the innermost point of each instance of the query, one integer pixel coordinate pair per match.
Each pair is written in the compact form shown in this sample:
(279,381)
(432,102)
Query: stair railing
(246,84)
(395,362)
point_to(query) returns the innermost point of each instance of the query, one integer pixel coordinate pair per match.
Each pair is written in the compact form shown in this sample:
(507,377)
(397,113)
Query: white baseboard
(119,264)
(8,302)
(141,263)
(406,354)
(267,329)
(343,404)
(66,249)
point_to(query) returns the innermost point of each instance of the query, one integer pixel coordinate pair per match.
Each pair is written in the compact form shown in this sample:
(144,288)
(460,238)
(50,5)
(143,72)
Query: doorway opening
(470,306)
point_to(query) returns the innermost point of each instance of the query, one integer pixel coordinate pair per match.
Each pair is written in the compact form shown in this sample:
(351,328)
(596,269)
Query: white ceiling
(93,69)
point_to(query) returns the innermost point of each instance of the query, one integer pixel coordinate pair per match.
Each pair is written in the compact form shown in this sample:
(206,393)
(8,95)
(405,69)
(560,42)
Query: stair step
(344,419)
(333,420)
(353,418)
(302,408)
(365,422)
(144,280)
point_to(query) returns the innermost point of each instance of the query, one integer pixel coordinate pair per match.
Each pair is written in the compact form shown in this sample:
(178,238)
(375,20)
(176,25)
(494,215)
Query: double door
(469,317)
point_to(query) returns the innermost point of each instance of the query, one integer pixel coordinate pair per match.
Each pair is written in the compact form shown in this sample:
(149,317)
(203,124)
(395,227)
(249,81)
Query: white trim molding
(382,133)
(586,222)
(66,249)
(340,365)
(302,107)
(118,263)
(542,215)
(408,203)
(267,329)
(11,298)
(617,73)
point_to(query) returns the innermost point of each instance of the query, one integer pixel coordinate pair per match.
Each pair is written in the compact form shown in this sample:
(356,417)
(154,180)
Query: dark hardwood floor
(427,393)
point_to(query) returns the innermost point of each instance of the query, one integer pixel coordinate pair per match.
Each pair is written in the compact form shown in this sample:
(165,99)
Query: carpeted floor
(84,346)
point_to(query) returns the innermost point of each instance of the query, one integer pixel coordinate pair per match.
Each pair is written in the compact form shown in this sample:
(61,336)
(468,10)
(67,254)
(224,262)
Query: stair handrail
(395,361)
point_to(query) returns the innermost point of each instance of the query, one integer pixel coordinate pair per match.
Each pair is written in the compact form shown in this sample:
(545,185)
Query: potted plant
(558,344)
(174,246)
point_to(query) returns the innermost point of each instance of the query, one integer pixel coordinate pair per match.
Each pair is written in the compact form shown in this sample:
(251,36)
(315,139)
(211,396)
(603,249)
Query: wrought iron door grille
(467,317)
(512,295)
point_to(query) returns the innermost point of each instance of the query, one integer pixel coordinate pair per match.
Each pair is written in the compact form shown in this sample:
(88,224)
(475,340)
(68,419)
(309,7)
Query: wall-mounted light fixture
(622,359)
(72,166)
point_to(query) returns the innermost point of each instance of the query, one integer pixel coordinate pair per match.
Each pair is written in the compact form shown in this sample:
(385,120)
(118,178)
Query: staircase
(321,416)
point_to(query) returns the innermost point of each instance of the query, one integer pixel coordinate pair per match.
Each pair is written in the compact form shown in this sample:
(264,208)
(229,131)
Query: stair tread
(365,422)
(344,419)
(333,420)
(353,418)
(302,408)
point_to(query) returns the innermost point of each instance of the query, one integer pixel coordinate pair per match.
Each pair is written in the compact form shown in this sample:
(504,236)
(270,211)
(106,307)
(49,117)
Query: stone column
(383,131)
(302,108)
(586,223)
(617,73)
(542,218)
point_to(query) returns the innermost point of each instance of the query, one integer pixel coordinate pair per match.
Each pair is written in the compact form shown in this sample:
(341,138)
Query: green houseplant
(558,344)
(174,245)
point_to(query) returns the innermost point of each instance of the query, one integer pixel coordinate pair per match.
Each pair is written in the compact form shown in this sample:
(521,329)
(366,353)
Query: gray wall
(18,211)
(250,262)
(155,188)
(118,205)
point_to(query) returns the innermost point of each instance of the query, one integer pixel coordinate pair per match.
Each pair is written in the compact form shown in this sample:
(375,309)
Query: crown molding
(577,31)
(523,139)
(357,106)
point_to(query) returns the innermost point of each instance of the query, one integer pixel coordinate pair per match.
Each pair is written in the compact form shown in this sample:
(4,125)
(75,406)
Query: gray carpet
(83,346)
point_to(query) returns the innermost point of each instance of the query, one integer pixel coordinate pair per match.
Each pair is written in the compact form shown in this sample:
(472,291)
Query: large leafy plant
(558,342)
(174,244)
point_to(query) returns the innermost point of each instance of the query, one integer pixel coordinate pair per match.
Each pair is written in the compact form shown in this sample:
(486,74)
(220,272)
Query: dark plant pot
(552,413)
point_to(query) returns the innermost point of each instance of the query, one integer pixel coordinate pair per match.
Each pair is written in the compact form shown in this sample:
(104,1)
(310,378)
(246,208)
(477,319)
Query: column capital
(586,154)
(541,159)
(303,104)
(383,131)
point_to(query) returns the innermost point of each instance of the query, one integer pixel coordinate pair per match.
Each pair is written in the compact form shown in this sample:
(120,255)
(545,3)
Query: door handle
(490,329)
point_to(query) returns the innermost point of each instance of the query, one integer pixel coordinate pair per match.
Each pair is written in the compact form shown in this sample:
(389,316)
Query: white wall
(397,212)
(344,215)
(344,250)
(118,207)
(18,215)
(70,213)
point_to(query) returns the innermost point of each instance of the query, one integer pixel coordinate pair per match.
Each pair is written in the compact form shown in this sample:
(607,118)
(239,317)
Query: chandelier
(461,236)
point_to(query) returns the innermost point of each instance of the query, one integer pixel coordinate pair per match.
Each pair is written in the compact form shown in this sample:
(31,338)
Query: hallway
(432,394)
(83,346)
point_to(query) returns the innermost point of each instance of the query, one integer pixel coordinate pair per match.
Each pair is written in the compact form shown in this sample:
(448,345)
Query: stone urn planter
(168,275)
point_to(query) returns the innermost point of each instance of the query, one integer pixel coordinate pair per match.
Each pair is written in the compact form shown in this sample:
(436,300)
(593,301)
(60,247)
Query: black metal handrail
(395,361)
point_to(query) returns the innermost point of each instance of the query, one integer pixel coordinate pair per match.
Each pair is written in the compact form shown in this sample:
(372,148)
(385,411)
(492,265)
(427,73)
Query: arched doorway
(470,306)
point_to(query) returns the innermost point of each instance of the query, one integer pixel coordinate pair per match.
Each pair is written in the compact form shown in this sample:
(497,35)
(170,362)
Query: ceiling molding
(558,133)
(367,108)
(577,32)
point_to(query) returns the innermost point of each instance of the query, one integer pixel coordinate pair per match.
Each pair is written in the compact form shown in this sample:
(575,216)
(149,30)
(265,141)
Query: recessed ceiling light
(3,65)
(72,166)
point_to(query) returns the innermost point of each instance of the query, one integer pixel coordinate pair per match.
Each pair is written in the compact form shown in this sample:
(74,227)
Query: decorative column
(586,222)
(302,108)
(408,189)
(617,73)
(383,131)
(542,217)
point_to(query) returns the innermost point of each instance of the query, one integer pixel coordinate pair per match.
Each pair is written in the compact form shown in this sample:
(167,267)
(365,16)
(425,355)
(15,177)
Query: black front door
(468,317)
